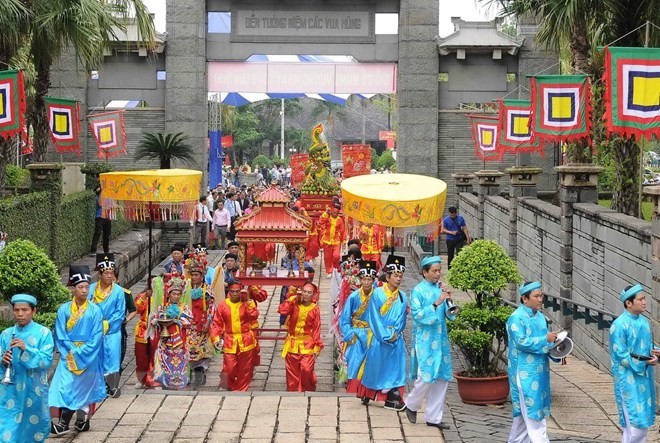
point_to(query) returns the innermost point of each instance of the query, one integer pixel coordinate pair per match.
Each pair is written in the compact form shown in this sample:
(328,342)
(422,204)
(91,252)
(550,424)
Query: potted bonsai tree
(482,269)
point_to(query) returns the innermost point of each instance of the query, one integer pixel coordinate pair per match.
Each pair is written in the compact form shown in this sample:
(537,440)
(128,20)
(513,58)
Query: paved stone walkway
(583,404)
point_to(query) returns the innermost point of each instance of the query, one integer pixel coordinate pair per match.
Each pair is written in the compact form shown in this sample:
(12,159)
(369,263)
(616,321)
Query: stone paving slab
(583,404)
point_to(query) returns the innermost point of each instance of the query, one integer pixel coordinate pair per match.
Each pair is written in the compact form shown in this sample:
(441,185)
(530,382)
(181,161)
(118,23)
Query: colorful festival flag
(356,160)
(485,130)
(109,132)
(12,103)
(298,163)
(64,123)
(515,127)
(632,91)
(561,107)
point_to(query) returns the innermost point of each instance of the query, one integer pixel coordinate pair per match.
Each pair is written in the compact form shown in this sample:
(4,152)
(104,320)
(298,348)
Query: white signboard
(250,25)
(305,78)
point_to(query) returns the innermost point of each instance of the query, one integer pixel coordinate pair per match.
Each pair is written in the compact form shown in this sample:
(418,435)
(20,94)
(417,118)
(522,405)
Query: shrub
(77,210)
(27,217)
(24,268)
(16,176)
(484,269)
(46,319)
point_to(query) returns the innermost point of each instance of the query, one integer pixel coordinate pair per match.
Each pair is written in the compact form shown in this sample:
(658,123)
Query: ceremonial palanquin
(270,223)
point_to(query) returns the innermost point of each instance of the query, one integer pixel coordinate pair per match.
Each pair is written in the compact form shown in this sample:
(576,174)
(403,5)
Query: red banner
(298,163)
(227,141)
(356,159)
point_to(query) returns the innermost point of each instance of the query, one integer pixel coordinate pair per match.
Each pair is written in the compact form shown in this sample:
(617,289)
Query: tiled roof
(273,218)
(273,195)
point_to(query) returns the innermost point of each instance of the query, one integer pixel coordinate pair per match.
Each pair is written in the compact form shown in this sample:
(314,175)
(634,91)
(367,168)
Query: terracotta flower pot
(483,390)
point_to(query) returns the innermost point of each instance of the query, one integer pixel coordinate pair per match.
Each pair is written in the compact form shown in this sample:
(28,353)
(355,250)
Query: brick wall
(496,220)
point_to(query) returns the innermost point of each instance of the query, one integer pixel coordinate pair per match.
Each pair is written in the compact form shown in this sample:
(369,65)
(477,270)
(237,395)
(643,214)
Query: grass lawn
(647,208)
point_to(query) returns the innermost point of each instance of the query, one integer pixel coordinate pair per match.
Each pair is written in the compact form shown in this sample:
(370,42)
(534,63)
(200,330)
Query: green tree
(298,139)
(165,148)
(386,160)
(246,137)
(270,121)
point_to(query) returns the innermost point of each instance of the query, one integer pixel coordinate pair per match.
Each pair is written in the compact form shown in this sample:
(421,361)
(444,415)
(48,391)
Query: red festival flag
(356,160)
(561,107)
(109,133)
(298,163)
(485,130)
(64,124)
(12,103)
(516,133)
(632,91)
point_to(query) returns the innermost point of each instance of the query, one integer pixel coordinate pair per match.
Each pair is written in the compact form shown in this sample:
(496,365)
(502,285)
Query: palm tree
(86,26)
(165,147)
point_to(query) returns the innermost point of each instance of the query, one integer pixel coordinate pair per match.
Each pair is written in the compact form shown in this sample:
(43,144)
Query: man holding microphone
(430,357)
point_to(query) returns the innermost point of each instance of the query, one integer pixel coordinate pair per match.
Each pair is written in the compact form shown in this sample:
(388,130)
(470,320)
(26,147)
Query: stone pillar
(186,86)
(417,149)
(463,183)
(47,177)
(523,181)
(654,193)
(577,184)
(487,180)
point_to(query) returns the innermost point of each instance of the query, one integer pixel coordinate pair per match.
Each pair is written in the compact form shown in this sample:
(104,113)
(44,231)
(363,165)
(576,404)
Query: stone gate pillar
(489,182)
(186,101)
(417,147)
(577,184)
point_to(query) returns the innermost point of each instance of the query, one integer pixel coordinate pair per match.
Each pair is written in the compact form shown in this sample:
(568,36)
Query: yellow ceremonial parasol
(394,200)
(148,195)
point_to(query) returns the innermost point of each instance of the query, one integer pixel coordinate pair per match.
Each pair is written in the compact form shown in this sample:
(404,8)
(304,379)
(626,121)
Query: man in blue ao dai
(430,356)
(529,366)
(27,353)
(633,357)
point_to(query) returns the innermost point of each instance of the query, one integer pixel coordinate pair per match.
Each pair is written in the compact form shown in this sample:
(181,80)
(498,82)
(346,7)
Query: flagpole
(642,140)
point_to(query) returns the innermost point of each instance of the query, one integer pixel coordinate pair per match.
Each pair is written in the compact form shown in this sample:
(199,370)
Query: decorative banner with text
(632,91)
(356,159)
(12,103)
(485,129)
(297,163)
(64,124)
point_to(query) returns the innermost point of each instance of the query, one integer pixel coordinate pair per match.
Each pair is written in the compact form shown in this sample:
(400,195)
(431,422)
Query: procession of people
(389,346)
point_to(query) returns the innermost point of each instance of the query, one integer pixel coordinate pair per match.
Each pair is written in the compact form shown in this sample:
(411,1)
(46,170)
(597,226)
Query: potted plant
(482,269)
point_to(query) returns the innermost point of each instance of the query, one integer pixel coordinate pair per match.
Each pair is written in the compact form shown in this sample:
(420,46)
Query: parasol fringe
(139,211)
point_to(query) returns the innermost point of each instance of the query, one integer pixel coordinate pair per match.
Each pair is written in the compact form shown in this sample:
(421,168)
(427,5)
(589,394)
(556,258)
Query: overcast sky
(466,9)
